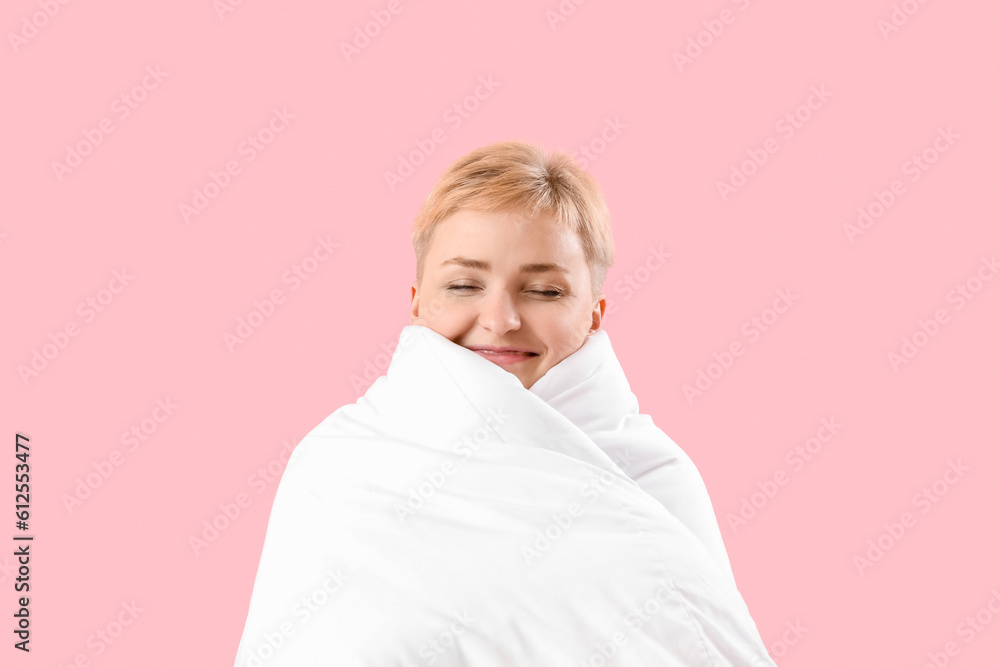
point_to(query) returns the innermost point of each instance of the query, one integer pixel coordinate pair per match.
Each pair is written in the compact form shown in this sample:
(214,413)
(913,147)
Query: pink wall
(741,137)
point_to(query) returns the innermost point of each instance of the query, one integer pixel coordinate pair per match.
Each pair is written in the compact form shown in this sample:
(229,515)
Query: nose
(498,313)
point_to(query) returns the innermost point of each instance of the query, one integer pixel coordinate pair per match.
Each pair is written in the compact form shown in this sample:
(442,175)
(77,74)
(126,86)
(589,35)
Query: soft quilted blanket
(452,517)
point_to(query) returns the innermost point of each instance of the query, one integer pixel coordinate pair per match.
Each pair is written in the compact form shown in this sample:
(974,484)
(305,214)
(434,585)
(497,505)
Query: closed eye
(548,293)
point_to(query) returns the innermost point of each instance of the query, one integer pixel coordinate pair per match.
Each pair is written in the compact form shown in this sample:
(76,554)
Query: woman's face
(500,280)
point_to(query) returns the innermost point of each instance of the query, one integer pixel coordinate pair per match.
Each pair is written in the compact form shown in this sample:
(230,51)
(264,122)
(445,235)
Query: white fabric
(451,517)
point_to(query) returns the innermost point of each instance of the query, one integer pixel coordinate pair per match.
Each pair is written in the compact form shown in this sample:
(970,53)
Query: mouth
(505,356)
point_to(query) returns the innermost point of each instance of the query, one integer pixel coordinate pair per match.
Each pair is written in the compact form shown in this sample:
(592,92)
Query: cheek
(445,316)
(565,337)
(565,331)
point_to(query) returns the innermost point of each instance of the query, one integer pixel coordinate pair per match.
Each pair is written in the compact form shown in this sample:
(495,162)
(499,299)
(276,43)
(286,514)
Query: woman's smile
(504,356)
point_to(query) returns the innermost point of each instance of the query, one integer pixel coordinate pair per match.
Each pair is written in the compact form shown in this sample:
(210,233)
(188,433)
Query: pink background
(676,131)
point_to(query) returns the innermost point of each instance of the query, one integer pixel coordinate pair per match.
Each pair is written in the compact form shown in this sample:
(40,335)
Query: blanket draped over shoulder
(452,517)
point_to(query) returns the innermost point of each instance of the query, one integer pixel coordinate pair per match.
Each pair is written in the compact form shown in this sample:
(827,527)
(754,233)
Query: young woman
(497,498)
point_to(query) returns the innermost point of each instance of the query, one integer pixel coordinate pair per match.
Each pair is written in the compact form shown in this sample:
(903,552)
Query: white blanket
(451,517)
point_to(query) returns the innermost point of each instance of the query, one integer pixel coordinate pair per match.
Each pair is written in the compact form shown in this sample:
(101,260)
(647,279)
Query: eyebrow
(535,267)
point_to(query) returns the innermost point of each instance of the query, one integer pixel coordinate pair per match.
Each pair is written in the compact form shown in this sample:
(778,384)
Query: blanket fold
(452,517)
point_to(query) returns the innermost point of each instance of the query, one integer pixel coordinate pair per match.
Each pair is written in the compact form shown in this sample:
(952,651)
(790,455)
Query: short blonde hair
(517,177)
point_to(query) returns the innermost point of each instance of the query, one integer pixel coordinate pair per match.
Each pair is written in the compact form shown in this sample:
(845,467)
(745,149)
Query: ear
(414,303)
(597,315)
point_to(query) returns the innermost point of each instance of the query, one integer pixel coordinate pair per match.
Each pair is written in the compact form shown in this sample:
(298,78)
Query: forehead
(494,235)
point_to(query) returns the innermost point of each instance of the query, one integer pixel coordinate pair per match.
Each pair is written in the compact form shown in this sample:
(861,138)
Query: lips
(504,356)
(489,349)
